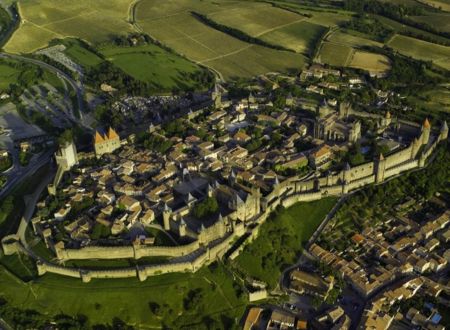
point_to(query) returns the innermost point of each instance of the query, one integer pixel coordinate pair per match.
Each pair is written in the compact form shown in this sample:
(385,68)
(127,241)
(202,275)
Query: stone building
(66,156)
(106,143)
(330,125)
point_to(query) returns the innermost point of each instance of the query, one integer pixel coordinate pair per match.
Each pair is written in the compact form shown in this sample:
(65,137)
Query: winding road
(77,87)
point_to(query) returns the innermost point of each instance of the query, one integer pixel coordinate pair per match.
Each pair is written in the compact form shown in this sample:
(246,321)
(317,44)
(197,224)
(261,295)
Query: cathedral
(331,125)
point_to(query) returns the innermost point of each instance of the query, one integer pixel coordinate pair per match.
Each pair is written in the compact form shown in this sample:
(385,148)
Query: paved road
(4,325)
(20,174)
(30,204)
(77,87)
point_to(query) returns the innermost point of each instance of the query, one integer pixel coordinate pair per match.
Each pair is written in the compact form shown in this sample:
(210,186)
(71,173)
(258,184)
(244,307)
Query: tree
(206,207)
(65,137)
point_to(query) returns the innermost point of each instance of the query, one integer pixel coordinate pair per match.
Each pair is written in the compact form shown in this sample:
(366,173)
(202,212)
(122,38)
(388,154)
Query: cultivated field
(438,21)
(352,40)
(44,20)
(335,54)
(422,50)
(329,18)
(174,25)
(399,27)
(441,4)
(300,37)
(374,63)
(256,19)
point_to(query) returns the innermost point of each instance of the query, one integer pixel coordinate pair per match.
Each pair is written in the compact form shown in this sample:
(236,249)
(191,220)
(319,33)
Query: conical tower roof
(98,137)
(112,134)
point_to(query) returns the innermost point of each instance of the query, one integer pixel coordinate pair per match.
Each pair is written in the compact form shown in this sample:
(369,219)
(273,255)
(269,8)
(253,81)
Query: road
(77,87)
(30,204)
(19,174)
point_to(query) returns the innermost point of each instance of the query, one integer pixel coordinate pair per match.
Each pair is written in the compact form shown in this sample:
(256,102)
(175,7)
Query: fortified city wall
(286,194)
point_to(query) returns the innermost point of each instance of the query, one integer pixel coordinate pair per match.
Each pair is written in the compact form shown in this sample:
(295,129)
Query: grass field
(280,240)
(153,64)
(374,63)
(8,75)
(422,50)
(44,20)
(52,294)
(81,55)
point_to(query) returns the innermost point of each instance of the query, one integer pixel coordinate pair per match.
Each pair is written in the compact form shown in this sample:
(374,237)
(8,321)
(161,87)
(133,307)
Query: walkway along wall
(207,255)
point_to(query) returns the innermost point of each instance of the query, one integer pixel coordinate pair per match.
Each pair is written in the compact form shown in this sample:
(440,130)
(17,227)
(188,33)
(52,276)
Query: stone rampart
(126,252)
(286,194)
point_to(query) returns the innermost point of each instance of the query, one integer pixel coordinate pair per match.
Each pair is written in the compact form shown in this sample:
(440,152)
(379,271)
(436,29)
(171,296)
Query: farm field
(328,18)
(437,100)
(43,20)
(256,19)
(442,4)
(280,240)
(218,298)
(399,27)
(273,25)
(374,63)
(174,25)
(438,21)
(300,37)
(154,65)
(351,39)
(423,50)
(335,54)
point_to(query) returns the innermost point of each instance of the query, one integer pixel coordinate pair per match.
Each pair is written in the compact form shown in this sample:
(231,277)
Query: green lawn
(280,240)
(154,65)
(81,55)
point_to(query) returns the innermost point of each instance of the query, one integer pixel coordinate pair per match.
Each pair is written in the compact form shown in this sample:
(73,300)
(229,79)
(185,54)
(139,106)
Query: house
(62,213)
(129,203)
(241,137)
(148,217)
(280,320)
(321,157)
(252,319)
